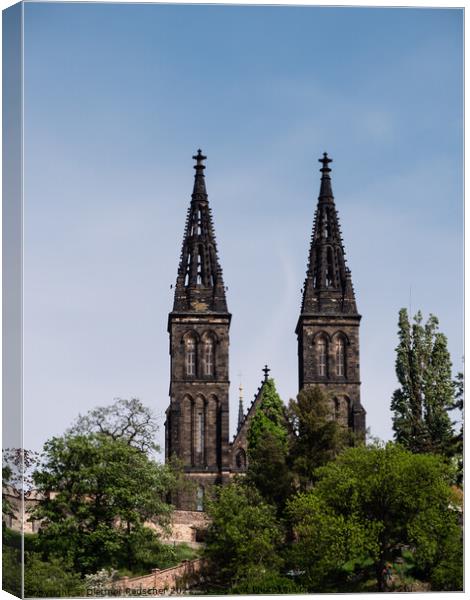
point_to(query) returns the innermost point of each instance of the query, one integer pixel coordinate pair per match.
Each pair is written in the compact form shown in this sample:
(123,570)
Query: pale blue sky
(118,98)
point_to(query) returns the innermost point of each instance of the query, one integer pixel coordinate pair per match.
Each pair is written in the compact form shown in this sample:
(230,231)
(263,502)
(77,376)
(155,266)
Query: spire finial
(266,372)
(327,287)
(199,158)
(199,183)
(325,161)
(325,187)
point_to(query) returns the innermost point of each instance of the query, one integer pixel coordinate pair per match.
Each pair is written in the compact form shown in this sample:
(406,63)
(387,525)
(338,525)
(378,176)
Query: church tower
(197,420)
(328,326)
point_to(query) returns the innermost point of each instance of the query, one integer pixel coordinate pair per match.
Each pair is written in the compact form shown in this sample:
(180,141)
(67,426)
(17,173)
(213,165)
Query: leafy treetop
(269,417)
(367,507)
(127,420)
(97,494)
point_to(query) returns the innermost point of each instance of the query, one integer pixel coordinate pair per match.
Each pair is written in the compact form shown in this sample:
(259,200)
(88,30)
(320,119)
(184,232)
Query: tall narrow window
(200,432)
(321,350)
(340,355)
(200,498)
(188,270)
(329,268)
(199,267)
(324,228)
(209,357)
(190,356)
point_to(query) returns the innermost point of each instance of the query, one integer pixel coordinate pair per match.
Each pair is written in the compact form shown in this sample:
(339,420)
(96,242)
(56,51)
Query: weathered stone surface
(197,420)
(328,326)
(159,582)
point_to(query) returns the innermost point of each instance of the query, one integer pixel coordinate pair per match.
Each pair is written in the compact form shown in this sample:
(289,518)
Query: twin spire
(199,284)
(200,287)
(328,287)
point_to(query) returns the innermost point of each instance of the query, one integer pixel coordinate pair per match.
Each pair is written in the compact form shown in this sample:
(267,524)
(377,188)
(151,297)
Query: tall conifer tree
(424,370)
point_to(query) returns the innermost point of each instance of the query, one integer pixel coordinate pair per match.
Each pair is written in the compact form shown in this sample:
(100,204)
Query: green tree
(456,448)
(317,438)
(366,508)
(53,578)
(127,420)
(18,465)
(270,417)
(7,508)
(243,537)
(269,472)
(420,406)
(12,544)
(11,570)
(268,448)
(97,494)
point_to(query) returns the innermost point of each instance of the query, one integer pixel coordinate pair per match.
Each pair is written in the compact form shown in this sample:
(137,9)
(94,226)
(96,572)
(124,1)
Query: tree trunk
(129,550)
(379,573)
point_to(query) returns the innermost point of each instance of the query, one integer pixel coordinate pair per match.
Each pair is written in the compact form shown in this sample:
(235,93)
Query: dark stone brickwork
(239,445)
(328,326)
(197,419)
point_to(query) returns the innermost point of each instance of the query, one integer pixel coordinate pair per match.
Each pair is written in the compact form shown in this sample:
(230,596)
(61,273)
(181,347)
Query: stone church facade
(197,419)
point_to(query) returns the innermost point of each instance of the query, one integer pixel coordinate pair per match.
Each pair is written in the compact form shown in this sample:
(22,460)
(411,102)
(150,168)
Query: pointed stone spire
(328,287)
(240,407)
(199,283)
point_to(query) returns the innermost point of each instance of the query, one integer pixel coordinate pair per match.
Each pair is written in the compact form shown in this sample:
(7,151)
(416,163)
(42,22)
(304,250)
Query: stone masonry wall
(165,581)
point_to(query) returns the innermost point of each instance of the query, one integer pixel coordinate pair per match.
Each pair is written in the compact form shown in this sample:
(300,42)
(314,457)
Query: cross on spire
(266,372)
(199,284)
(327,287)
(199,158)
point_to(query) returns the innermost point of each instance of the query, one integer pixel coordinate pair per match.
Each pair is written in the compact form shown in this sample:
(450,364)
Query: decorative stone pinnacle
(199,158)
(266,372)
(240,407)
(325,161)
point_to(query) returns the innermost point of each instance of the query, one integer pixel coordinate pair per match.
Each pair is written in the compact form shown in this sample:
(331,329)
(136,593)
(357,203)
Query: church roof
(199,283)
(328,287)
(243,419)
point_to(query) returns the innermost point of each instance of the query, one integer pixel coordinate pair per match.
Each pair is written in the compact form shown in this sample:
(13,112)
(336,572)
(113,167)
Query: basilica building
(197,419)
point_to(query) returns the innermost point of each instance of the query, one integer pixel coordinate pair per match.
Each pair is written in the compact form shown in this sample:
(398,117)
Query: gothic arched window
(200,431)
(321,356)
(190,356)
(209,357)
(340,357)
(200,498)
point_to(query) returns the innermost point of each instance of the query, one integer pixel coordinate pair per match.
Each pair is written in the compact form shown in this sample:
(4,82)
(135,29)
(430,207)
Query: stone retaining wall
(166,581)
(184,526)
